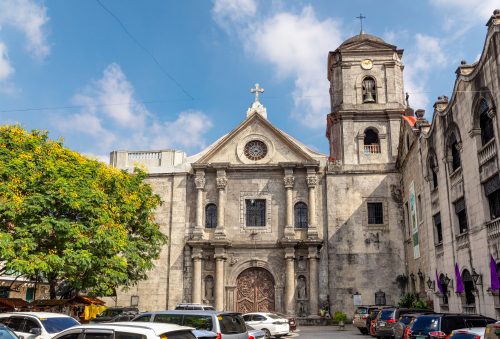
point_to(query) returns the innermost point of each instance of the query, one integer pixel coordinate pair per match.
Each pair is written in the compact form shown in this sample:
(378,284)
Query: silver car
(226,325)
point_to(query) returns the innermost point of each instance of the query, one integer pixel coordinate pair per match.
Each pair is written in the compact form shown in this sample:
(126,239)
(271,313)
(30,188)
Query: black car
(114,314)
(440,325)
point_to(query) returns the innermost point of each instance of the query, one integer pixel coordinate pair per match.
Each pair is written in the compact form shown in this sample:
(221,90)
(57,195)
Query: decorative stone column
(312,182)
(289,182)
(220,232)
(199,181)
(289,280)
(196,283)
(220,257)
(313,280)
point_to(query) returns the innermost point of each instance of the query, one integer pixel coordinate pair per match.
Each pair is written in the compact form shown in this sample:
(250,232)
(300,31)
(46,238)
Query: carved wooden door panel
(255,291)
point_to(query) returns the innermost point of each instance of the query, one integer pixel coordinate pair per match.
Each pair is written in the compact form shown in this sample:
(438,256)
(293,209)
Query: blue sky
(113,75)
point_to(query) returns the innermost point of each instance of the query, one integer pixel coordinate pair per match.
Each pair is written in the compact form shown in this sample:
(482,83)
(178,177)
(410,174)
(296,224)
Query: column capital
(312,181)
(289,181)
(289,253)
(221,182)
(197,254)
(199,181)
(313,252)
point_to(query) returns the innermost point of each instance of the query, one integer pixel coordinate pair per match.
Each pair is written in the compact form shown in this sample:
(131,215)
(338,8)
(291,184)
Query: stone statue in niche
(301,288)
(209,287)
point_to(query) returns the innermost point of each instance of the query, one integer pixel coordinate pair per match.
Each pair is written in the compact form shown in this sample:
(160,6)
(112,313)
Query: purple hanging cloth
(438,282)
(460,284)
(495,283)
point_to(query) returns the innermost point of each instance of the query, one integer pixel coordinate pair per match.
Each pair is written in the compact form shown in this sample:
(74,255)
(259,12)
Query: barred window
(437,226)
(375,213)
(301,215)
(492,191)
(255,212)
(461,212)
(211,216)
(485,123)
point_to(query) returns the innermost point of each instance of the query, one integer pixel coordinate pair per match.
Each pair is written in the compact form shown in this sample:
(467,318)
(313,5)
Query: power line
(141,46)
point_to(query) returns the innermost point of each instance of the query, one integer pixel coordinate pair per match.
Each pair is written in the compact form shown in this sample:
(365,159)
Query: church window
(255,150)
(438,228)
(255,212)
(369,90)
(375,213)
(461,212)
(492,191)
(371,141)
(211,216)
(485,123)
(455,153)
(468,288)
(300,210)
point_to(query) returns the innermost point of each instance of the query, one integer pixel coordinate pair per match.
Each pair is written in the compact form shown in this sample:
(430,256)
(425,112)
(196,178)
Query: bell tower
(366,99)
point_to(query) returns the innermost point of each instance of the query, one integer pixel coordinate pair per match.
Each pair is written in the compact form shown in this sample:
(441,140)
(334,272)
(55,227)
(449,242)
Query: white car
(127,330)
(37,325)
(272,324)
(468,333)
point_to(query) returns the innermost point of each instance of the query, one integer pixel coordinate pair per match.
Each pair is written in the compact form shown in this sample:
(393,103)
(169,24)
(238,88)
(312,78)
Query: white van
(37,325)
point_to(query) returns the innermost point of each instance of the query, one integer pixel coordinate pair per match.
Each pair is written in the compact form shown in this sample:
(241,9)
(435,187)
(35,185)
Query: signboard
(356,298)
(414,222)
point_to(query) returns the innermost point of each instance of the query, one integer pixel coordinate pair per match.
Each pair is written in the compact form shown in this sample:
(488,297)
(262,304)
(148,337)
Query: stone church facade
(259,221)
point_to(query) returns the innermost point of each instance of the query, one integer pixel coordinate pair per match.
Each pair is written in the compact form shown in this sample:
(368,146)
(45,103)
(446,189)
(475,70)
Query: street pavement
(326,332)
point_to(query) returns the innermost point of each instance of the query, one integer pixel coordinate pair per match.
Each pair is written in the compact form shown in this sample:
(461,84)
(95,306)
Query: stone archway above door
(255,288)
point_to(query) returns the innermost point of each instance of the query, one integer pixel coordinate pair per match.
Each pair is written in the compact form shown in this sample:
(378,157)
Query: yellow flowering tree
(71,221)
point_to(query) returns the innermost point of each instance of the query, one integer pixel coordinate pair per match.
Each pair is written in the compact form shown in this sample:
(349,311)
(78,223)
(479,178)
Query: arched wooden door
(255,291)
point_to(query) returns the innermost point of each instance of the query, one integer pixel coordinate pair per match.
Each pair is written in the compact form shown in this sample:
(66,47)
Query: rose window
(255,150)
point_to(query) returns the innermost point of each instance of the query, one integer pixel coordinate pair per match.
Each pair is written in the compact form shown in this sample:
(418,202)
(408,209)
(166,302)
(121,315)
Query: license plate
(382,323)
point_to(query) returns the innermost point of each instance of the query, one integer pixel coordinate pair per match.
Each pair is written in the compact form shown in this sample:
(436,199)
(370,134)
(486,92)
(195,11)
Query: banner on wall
(414,222)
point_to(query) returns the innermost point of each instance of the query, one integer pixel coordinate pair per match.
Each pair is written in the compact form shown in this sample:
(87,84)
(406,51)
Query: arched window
(211,216)
(369,90)
(485,123)
(371,141)
(455,153)
(301,215)
(444,285)
(433,167)
(468,287)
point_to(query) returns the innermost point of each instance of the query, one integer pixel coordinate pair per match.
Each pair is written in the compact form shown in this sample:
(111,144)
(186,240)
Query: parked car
(468,333)
(226,325)
(6,333)
(387,320)
(271,323)
(127,330)
(39,325)
(114,314)
(360,317)
(492,331)
(439,325)
(254,333)
(403,325)
(371,321)
(291,321)
(194,307)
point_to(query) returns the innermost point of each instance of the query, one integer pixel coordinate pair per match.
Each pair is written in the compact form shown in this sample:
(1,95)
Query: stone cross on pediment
(257,90)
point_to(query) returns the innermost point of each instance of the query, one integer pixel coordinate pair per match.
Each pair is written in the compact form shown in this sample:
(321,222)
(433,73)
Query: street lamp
(420,274)
(445,280)
(476,277)
(412,276)
(430,284)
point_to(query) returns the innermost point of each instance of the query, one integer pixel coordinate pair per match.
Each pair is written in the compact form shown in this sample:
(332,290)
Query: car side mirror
(36,331)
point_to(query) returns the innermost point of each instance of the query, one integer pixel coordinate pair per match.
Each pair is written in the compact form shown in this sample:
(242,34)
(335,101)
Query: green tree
(72,221)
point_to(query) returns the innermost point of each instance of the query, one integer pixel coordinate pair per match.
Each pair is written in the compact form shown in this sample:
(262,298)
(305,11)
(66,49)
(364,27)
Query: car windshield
(386,314)
(425,324)
(110,313)
(361,310)
(54,325)
(5,333)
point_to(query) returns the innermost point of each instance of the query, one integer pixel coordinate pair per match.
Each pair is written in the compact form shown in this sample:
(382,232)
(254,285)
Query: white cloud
(297,46)
(468,8)
(29,17)
(5,67)
(115,119)
(423,58)
(233,12)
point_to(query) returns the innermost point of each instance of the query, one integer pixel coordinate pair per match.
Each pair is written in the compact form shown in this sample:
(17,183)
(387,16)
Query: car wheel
(267,332)
(363,331)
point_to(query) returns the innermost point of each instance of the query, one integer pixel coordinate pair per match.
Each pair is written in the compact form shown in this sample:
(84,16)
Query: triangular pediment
(277,145)
(369,45)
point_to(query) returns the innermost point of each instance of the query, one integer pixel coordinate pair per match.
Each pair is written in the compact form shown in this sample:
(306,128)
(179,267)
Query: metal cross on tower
(257,90)
(361,17)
